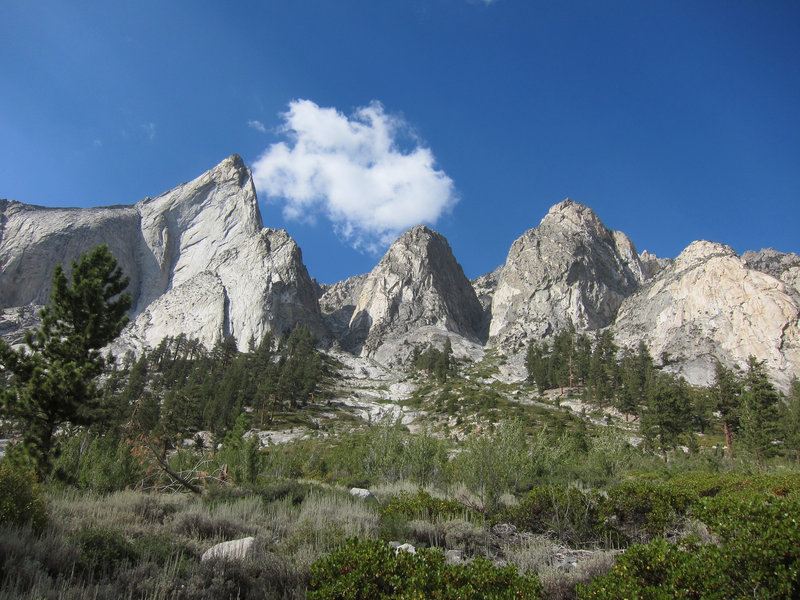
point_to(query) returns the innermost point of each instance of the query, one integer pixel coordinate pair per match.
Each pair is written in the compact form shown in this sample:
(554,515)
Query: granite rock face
(199,261)
(784,266)
(34,239)
(485,287)
(709,305)
(417,293)
(570,271)
(338,301)
(201,264)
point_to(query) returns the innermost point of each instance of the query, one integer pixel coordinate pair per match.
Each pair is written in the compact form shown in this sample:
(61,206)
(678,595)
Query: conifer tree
(727,391)
(668,413)
(790,420)
(53,380)
(759,413)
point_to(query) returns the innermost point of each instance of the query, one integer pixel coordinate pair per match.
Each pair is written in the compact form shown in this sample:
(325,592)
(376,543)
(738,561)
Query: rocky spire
(417,289)
(569,271)
(199,261)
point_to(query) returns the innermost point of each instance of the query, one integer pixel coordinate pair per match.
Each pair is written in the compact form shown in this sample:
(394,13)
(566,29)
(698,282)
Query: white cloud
(354,172)
(257,125)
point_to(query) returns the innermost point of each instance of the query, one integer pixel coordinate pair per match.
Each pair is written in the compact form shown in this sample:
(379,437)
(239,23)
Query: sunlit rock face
(570,271)
(784,266)
(199,261)
(201,264)
(34,239)
(417,294)
(709,305)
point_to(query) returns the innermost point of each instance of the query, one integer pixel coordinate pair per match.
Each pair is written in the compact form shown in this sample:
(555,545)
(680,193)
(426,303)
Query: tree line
(752,412)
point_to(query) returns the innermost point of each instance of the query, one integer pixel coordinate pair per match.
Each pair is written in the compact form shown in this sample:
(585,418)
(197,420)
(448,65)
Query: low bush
(570,514)
(102,550)
(281,489)
(757,555)
(21,502)
(424,506)
(373,570)
(644,509)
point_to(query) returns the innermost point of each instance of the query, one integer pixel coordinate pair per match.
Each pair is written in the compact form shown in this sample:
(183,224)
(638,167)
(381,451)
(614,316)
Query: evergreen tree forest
(180,387)
(669,411)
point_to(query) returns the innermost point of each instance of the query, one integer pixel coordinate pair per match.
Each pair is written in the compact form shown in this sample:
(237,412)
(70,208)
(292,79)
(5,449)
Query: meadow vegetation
(601,476)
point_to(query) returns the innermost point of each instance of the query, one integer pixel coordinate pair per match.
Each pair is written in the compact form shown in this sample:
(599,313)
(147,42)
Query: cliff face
(201,264)
(34,239)
(570,271)
(709,305)
(198,259)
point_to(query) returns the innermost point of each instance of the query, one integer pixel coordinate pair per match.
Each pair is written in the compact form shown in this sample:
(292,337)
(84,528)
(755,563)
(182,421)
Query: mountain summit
(199,261)
(570,271)
(418,289)
(201,265)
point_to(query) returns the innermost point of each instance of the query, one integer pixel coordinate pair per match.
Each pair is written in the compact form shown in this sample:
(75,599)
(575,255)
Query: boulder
(242,549)
(361,493)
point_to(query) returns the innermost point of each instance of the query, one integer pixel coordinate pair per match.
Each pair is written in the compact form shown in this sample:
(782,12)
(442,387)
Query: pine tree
(759,414)
(536,364)
(790,420)
(726,392)
(53,380)
(668,413)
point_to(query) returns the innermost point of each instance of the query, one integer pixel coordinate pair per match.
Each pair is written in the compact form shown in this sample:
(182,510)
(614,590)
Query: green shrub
(20,500)
(569,513)
(757,555)
(103,550)
(644,509)
(375,571)
(281,489)
(424,506)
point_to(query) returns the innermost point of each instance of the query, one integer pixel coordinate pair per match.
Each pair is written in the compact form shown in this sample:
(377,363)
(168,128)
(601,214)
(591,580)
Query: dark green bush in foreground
(372,570)
(757,556)
(20,500)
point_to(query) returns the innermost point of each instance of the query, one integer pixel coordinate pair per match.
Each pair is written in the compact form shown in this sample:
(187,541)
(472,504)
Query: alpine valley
(583,422)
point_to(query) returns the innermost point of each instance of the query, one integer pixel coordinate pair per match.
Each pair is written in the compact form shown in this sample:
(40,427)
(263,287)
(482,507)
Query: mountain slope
(417,293)
(708,305)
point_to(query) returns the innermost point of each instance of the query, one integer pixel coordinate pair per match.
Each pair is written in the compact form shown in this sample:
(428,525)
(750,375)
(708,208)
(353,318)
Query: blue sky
(674,121)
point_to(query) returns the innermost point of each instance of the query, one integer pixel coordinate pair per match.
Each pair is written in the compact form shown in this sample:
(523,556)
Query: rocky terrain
(416,294)
(708,305)
(201,263)
(197,256)
(570,271)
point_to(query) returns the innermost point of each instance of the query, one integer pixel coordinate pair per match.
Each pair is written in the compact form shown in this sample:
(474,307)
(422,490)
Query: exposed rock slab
(199,261)
(484,287)
(34,239)
(338,301)
(785,266)
(708,306)
(570,271)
